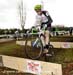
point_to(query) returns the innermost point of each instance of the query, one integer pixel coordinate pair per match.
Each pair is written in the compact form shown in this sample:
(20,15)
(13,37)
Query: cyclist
(43,18)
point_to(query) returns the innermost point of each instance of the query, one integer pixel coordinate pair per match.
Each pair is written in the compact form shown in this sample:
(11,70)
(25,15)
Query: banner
(65,45)
(33,67)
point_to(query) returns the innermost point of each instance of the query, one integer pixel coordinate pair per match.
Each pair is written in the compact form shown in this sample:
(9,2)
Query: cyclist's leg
(47,38)
(47,35)
(43,41)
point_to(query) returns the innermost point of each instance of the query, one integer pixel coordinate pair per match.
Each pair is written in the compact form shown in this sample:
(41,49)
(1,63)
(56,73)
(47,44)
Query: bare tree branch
(22,13)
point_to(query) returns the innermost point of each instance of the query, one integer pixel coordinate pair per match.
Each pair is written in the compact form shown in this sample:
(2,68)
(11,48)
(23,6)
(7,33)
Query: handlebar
(33,27)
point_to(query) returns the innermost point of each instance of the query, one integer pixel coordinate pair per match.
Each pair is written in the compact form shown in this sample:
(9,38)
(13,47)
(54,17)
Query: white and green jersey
(41,19)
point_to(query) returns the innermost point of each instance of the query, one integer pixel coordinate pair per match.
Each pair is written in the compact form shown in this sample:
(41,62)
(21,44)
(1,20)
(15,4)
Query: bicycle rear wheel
(33,52)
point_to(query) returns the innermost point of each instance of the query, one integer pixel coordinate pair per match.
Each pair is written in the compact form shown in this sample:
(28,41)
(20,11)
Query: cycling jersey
(44,20)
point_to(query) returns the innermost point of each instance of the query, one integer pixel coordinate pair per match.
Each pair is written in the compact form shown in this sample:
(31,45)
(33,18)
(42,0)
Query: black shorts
(47,27)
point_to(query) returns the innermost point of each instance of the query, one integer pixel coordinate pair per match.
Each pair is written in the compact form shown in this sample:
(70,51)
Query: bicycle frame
(38,33)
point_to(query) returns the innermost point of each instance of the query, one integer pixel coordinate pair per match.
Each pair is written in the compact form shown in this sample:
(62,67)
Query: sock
(46,46)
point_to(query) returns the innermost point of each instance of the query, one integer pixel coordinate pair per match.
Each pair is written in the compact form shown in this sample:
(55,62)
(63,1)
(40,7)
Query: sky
(60,10)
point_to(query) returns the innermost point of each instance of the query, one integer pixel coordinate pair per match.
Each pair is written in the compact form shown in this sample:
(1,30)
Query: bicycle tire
(27,50)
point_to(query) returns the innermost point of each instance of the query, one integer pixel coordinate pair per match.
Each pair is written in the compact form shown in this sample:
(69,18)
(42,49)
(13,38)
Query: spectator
(70,30)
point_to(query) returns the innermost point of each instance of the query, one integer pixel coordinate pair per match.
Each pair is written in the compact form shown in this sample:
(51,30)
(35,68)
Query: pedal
(49,55)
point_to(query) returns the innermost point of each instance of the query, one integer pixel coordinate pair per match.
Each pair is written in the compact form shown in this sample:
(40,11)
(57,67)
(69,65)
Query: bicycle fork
(36,41)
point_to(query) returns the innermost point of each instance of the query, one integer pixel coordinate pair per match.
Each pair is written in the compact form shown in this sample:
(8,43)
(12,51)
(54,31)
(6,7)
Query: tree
(22,13)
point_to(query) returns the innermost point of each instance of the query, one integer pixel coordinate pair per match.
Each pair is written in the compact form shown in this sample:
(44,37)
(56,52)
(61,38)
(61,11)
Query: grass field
(63,56)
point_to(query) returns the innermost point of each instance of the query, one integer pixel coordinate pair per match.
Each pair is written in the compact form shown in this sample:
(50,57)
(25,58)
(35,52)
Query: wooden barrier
(31,66)
(55,44)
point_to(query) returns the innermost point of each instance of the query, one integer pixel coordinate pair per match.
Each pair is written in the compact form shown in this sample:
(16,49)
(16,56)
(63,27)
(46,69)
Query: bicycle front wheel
(33,47)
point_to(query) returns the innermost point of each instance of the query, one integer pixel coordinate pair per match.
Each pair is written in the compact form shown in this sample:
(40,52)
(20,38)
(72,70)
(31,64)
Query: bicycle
(33,45)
